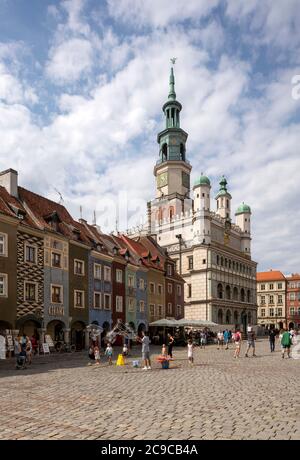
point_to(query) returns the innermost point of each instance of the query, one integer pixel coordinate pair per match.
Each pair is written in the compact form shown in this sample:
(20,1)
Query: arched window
(222,261)
(182,152)
(227,204)
(228,292)
(242,295)
(235,293)
(218,260)
(220,291)
(248,296)
(249,317)
(236,317)
(164,152)
(220,316)
(171,212)
(228,317)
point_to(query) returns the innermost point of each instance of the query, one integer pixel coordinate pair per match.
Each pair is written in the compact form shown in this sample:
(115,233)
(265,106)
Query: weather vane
(173,60)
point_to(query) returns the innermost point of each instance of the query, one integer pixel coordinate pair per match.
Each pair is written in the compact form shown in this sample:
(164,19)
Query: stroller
(21,359)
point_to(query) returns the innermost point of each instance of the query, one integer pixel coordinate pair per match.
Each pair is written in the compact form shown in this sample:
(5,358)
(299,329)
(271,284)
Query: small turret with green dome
(202,180)
(243,209)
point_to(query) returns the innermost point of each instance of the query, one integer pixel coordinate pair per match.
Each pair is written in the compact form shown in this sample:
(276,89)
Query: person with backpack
(237,336)
(286,342)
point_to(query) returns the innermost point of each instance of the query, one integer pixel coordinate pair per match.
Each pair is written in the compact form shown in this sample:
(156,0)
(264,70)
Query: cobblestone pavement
(61,397)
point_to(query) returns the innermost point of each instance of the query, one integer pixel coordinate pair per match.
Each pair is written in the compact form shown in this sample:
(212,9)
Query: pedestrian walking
(190,347)
(220,340)
(109,353)
(202,339)
(29,351)
(34,344)
(170,345)
(226,338)
(237,337)
(272,337)
(286,342)
(146,350)
(250,341)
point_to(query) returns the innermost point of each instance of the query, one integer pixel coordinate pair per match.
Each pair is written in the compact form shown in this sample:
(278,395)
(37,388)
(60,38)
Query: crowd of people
(25,347)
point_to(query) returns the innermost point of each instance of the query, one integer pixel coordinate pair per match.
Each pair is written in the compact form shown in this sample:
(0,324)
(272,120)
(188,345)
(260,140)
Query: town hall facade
(213,253)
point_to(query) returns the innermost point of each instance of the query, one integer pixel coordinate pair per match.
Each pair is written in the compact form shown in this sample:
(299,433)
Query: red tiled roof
(272,275)
(294,277)
(10,206)
(141,252)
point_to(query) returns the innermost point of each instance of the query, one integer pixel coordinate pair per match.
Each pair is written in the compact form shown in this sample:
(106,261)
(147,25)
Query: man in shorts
(286,342)
(251,341)
(146,350)
(220,340)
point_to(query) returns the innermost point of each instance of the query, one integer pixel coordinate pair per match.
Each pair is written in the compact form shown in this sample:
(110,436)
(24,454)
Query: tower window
(165,152)
(182,152)
(227,204)
(203,194)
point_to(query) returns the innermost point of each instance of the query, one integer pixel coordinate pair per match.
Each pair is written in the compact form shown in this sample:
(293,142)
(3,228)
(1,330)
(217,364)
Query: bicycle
(63,347)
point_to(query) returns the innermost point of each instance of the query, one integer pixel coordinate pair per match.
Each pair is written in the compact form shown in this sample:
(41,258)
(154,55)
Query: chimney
(9,180)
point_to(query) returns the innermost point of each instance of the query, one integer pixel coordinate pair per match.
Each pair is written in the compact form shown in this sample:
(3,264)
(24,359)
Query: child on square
(125,352)
(109,353)
(97,354)
(191,351)
(164,351)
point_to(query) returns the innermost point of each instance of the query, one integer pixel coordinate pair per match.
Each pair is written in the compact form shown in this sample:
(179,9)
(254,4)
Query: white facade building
(213,254)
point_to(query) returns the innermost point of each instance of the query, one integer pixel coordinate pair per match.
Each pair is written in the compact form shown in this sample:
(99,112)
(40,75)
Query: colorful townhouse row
(57,275)
(278,299)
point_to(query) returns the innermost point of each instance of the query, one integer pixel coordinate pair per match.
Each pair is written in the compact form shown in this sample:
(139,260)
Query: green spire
(223,188)
(172,94)
(223,184)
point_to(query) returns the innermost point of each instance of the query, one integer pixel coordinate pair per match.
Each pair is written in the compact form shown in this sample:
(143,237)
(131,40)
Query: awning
(165,323)
(196,323)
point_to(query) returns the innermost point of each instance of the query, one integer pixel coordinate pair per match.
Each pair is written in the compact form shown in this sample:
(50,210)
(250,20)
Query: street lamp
(179,237)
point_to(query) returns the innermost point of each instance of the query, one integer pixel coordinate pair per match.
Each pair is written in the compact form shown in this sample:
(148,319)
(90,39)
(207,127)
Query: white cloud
(70,60)
(159,13)
(102,140)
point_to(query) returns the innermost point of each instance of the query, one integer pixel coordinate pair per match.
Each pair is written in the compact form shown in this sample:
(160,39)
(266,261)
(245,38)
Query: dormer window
(53,220)
(115,250)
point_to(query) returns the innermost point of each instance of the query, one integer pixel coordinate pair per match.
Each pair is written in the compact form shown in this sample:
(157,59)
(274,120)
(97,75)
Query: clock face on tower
(162,179)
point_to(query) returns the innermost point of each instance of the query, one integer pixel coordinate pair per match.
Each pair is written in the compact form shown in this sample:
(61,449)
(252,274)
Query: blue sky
(82,83)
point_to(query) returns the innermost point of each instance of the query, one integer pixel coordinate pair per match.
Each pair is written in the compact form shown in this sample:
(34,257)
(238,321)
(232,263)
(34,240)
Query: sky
(82,84)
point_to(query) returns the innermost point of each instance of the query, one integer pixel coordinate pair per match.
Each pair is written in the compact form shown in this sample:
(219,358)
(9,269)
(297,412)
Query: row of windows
(31,288)
(272,312)
(295,311)
(158,310)
(233,293)
(233,265)
(271,286)
(293,285)
(226,317)
(271,299)
(152,288)
(293,296)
